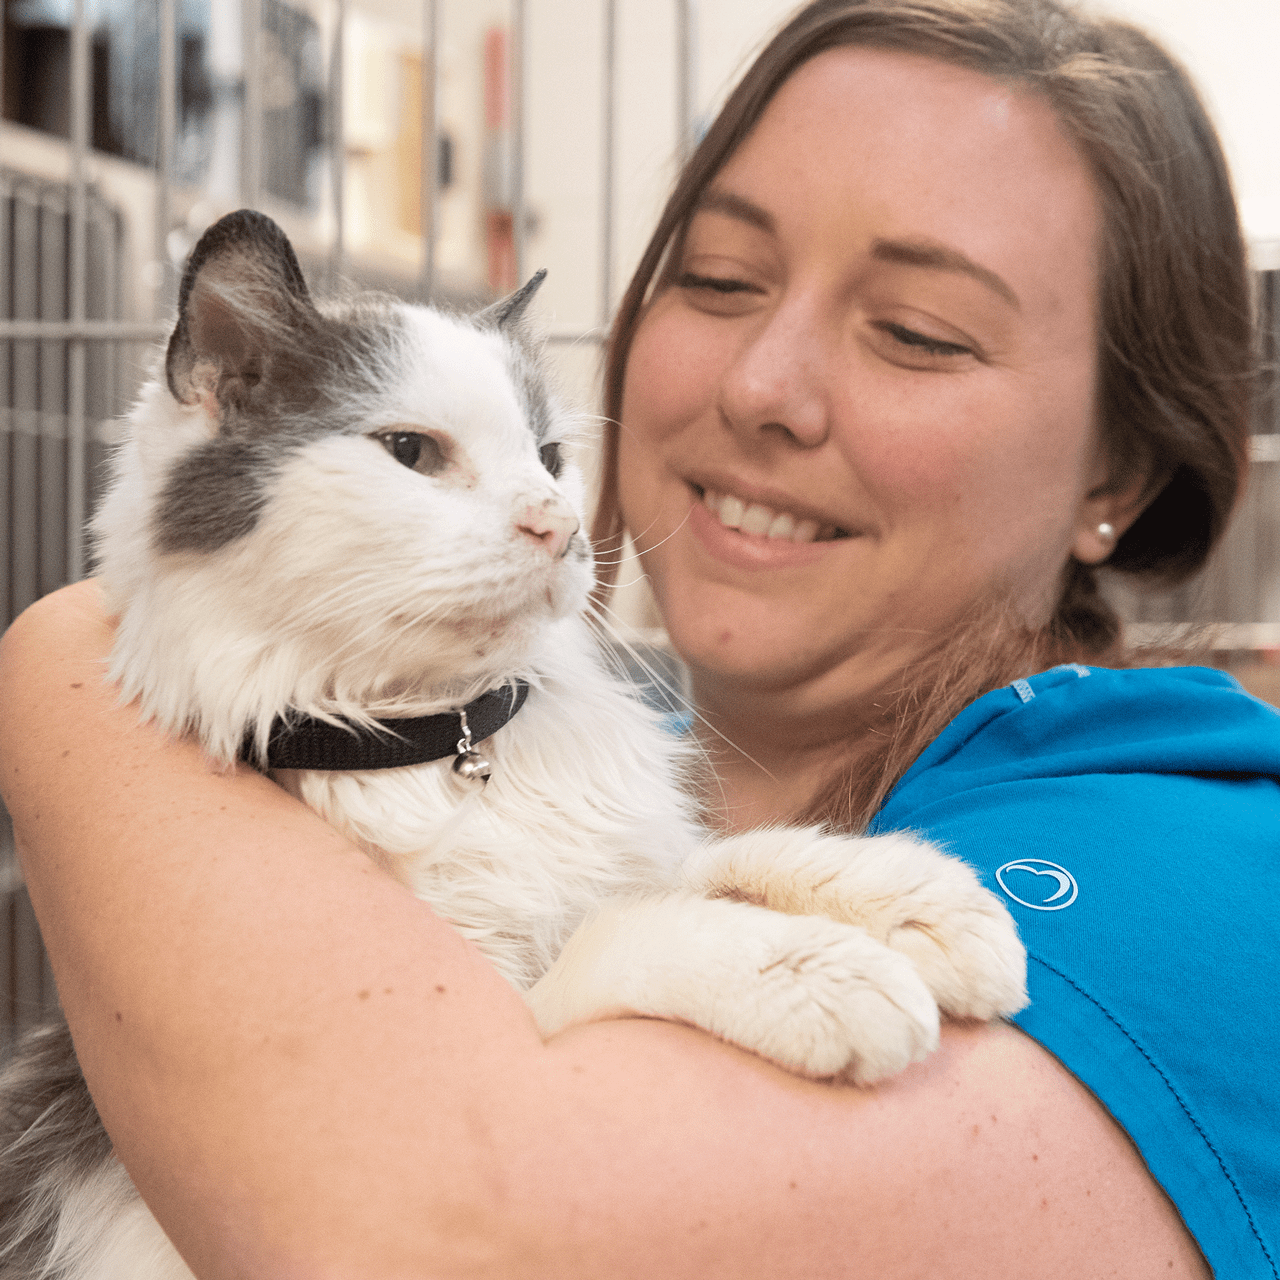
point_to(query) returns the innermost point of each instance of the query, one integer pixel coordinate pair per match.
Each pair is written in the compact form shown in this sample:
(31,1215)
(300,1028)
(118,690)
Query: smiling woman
(870,341)
(918,299)
(948,308)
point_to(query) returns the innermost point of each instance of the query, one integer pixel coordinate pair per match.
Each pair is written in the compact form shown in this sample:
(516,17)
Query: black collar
(313,744)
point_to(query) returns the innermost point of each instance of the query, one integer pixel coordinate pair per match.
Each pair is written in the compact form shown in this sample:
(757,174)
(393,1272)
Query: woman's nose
(776,383)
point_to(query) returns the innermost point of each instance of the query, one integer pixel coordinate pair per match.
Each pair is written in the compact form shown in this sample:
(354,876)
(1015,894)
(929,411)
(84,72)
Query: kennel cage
(389,139)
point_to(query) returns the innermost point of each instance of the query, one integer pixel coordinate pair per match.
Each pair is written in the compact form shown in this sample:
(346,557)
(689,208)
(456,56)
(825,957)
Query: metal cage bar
(429,183)
(251,103)
(338,147)
(80,106)
(608,130)
(518,74)
(686,76)
(166,94)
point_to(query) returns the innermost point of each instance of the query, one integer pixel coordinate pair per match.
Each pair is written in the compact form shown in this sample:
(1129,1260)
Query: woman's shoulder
(1074,720)
(1175,763)
(1130,821)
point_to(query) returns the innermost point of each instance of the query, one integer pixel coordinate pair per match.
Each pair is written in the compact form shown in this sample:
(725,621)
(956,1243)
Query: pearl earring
(1106,532)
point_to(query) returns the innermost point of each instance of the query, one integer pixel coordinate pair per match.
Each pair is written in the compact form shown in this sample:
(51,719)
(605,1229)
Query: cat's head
(370,494)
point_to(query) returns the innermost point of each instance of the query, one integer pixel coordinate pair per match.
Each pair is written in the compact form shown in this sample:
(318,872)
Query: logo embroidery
(1063,896)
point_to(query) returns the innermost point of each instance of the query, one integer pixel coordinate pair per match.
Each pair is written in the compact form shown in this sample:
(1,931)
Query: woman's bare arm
(309,1074)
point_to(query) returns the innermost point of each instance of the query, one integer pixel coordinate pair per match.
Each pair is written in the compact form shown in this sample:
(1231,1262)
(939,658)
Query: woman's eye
(719,295)
(717,284)
(921,342)
(413,449)
(551,459)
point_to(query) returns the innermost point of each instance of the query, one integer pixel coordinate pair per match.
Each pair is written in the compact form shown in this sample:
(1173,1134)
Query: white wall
(1232,47)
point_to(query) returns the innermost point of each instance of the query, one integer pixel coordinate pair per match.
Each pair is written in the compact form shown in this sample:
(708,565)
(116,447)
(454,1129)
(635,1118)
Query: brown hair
(1174,347)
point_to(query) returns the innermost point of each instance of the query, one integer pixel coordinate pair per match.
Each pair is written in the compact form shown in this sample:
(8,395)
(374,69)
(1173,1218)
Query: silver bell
(471,766)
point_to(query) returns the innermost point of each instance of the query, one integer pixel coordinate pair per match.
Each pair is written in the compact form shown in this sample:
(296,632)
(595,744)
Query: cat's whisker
(608,636)
(616,635)
(656,545)
(621,586)
(610,639)
(606,633)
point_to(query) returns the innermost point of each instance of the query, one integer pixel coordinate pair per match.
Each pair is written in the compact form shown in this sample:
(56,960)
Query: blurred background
(443,150)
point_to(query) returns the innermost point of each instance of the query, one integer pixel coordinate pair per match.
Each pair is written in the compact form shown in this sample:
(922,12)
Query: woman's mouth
(765,522)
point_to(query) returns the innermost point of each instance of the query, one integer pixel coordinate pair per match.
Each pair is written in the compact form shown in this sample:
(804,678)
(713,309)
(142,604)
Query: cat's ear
(242,299)
(508,312)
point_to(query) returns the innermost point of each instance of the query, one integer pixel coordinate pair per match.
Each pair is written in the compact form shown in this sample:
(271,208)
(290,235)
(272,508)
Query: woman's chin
(742,647)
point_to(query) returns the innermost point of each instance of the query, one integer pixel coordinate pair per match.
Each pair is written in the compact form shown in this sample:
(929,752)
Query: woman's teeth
(754,518)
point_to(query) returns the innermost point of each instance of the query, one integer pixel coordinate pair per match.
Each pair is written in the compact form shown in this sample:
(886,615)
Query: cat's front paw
(907,894)
(814,995)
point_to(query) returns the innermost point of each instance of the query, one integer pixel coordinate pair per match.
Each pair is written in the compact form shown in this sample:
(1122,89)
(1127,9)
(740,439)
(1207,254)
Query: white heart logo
(1067,889)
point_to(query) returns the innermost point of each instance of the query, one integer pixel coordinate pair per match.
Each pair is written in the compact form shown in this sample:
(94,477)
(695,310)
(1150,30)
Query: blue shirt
(1130,820)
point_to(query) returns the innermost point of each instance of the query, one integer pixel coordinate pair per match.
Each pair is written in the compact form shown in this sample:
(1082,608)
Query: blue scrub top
(1130,820)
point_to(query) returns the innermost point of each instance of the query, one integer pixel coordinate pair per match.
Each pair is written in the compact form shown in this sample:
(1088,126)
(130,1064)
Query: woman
(949,307)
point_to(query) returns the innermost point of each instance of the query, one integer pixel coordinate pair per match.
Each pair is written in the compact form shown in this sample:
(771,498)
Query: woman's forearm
(309,1074)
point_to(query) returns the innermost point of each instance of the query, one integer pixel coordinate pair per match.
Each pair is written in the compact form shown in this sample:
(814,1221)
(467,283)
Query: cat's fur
(267,554)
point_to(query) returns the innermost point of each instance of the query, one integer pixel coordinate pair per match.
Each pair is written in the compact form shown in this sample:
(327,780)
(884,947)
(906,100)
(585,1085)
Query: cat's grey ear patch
(242,292)
(507,312)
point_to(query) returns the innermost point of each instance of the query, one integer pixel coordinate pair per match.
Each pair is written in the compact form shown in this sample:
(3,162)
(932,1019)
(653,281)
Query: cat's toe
(834,1003)
(970,958)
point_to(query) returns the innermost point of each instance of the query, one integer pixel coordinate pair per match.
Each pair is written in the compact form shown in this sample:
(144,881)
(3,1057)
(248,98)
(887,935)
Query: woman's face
(866,401)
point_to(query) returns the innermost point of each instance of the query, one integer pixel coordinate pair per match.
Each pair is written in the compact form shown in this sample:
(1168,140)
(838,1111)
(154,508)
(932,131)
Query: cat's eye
(414,449)
(551,459)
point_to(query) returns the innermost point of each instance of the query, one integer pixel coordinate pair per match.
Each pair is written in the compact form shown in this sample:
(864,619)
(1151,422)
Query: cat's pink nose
(550,523)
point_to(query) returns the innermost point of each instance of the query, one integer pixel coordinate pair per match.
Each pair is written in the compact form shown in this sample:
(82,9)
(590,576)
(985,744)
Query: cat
(344,544)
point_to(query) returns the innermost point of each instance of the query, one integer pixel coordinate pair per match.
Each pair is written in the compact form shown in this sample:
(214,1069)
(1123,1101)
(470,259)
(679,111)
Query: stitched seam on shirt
(1186,1110)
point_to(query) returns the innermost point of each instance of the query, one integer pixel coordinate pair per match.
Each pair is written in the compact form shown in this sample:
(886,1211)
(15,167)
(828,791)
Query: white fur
(107,1233)
(368,589)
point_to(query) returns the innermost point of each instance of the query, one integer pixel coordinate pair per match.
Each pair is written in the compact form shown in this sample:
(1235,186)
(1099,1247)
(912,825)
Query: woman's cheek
(672,369)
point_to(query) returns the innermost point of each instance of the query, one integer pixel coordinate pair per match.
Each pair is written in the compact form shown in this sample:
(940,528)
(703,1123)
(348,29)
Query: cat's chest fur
(583,804)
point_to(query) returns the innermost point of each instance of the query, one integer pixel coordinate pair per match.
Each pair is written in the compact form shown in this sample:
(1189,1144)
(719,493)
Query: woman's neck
(769,754)
(773,753)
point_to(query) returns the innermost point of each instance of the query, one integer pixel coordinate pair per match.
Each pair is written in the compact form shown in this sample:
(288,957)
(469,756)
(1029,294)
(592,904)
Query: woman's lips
(757,518)
(753,536)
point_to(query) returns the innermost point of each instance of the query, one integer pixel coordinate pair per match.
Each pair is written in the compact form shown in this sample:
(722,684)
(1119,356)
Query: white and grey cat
(330,516)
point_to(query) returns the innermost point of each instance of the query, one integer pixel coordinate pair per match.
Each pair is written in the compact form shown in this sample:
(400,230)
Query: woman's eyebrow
(732,206)
(937,257)
(911,253)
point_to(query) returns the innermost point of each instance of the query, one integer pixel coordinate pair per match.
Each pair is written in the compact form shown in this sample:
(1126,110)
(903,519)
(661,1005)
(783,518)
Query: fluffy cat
(335,528)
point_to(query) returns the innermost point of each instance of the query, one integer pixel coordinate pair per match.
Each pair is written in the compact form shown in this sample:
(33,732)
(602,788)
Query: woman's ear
(1110,507)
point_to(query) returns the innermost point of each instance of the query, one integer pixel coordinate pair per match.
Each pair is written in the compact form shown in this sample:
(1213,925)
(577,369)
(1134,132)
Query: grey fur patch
(51,1139)
(281,372)
(531,387)
(216,493)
